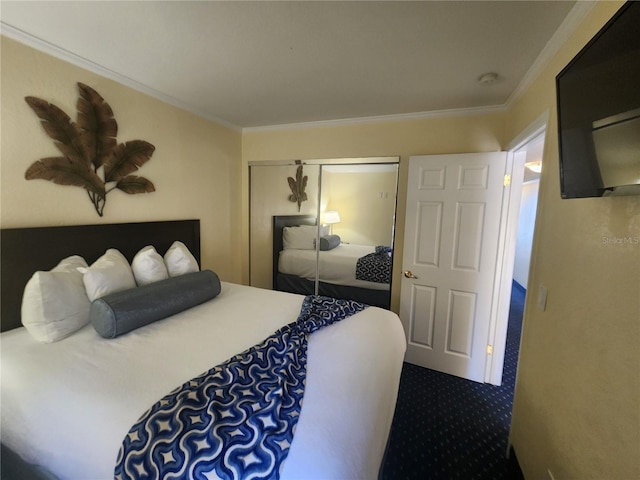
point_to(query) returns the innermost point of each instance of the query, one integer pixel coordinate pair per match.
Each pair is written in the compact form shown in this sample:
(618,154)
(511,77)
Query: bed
(294,268)
(68,407)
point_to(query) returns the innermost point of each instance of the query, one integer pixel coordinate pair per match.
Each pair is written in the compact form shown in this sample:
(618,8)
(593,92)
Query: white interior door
(452,229)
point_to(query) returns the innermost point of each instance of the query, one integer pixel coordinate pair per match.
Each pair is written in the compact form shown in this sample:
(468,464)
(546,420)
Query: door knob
(409,274)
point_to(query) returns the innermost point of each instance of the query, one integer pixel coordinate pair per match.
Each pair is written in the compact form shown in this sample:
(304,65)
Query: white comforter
(337,266)
(68,405)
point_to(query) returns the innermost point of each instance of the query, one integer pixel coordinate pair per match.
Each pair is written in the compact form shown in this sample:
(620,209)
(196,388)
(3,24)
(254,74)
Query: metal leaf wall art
(298,187)
(92,158)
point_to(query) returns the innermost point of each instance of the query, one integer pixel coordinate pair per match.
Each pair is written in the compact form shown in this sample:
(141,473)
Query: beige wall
(474,133)
(195,167)
(366,215)
(576,409)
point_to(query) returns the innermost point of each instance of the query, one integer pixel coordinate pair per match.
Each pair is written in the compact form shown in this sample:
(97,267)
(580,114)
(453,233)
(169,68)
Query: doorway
(461,328)
(528,210)
(525,157)
(453,225)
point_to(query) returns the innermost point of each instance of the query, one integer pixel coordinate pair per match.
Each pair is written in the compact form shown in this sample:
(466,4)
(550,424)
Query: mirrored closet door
(324,227)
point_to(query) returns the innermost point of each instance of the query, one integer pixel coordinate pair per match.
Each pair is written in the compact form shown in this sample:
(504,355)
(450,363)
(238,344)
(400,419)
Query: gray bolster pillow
(121,312)
(329,242)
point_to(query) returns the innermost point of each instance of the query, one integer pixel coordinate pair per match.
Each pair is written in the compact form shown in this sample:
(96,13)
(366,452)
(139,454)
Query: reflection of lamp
(330,218)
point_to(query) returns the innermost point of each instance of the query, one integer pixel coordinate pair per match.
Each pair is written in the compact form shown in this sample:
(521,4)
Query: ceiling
(266,63)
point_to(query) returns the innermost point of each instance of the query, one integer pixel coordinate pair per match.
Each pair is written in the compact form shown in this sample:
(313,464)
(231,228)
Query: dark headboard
(279,222)
(26,250)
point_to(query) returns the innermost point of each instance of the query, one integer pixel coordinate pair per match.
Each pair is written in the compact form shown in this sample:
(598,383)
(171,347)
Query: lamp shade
(331,217)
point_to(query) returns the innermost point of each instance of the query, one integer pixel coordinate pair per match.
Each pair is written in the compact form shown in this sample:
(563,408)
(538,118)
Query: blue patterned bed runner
(376,266)
(237,420)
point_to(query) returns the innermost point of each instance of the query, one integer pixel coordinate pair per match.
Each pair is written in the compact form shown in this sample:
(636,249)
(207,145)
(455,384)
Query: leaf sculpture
(92,157)
(298,187)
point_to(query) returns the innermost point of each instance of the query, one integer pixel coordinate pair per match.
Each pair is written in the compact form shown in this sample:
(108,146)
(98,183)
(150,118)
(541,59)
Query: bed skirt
(294,284)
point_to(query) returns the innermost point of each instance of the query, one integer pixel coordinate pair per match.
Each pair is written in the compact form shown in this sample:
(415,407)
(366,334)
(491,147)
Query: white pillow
(108,274)
(54,304)
(148,266)
(179,260)
(302,237)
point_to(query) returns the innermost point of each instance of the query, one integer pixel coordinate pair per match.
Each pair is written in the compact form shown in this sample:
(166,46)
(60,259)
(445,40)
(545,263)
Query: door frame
(516,158)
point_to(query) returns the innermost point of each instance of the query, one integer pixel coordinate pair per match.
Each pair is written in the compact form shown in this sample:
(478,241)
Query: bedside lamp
(331,217)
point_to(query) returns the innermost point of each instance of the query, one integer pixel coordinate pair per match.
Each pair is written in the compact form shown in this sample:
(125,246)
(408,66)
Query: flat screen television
(598,101)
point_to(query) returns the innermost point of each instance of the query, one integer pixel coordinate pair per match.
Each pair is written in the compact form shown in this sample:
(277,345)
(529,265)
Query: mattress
(337,266)
(67,406)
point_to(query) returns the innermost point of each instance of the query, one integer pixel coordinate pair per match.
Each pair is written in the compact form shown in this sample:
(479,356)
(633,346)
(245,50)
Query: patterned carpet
(446,427)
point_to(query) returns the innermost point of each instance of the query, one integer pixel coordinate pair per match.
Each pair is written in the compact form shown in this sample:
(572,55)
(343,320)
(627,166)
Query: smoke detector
(488,78)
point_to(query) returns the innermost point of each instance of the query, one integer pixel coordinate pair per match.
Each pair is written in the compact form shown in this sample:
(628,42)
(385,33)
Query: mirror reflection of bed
(345,270)
(353,200)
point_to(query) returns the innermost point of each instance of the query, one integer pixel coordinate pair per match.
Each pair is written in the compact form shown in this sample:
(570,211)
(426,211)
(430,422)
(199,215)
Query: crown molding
(568,26)
(535,128)
(69,57)
(457,112)
(577,14)
(62,54)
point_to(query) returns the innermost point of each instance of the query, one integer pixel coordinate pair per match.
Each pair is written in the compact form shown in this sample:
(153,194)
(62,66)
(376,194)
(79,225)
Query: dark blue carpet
(446,427)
